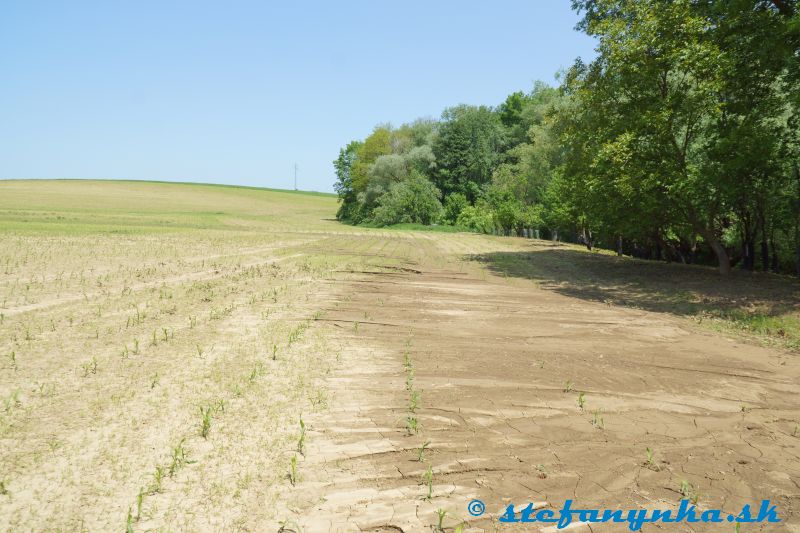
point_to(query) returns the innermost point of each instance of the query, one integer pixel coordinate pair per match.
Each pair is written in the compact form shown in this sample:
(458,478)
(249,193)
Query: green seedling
(90,367)
(410,379)
(796,430)
(274,352)
(199,351)
(650,463)
(421,451)
(135,346)
(205,421)
(355,326)
(440,514)
(412,425)
(158,478)
(154,340)
(178,458)
(125,352)
(597,420)
(568,386)
(139,502)
(427,478)
(686,488)
(154,381)
(293,470)
(413,401)
(301,441)
(13,357)
(129,522)
(192,321)
(745,408)
(581,400)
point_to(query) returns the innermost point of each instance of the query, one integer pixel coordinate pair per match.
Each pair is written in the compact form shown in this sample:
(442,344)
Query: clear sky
(238,92)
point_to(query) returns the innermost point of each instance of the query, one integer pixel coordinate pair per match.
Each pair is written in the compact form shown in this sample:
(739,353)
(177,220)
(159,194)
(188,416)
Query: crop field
(179,357)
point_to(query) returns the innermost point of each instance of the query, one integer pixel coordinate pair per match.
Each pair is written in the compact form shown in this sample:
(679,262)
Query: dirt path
(500,366)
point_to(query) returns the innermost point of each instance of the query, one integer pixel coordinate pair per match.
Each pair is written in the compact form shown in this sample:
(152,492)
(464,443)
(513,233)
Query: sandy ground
(382,342)
(499,365)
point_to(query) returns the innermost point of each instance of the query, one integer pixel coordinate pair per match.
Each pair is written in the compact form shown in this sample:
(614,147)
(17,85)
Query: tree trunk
(619,245)
(724,264)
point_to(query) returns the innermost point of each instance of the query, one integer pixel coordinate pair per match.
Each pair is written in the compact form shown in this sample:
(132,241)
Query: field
(208,358)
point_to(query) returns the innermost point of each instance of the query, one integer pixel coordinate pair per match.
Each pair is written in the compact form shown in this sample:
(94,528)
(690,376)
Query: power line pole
(295,176)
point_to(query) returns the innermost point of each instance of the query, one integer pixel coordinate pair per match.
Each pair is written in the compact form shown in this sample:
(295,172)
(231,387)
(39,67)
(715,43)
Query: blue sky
(238,92)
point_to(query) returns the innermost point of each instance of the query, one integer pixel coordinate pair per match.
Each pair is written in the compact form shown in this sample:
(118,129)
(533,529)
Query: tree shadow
(651,285)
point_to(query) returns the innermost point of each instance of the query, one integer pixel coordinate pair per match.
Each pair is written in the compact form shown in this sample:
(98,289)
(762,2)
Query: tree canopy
(679,141)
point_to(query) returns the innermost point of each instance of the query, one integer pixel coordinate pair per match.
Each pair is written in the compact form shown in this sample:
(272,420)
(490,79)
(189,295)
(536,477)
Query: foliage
(414,200)
(679,141)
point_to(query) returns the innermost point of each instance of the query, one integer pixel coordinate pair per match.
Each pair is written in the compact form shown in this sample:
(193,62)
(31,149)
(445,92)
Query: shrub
(415,200)
(453,205)
(476,218)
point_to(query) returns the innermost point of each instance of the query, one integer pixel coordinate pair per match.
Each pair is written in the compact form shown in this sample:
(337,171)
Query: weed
(568,386)
(421,451)
(745,408)
(90,367)
(12,401)
(205,421)
(581,400)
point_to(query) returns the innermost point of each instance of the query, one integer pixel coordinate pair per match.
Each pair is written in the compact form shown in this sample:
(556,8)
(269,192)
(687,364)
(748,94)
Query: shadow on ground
(686,290)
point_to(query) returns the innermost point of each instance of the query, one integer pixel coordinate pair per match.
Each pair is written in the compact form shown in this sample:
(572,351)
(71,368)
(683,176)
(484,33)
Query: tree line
(680,141)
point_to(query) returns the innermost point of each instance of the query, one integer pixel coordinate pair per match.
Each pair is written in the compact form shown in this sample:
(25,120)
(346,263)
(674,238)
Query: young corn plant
(650,463)
(129,522)
(581,400)
(440,514)
(427,478)
(412,425)
(421,451)
(413,401)
(301,440)
(205,421)
(293,470)
(597,419)
(139,503)
(568,386)
(158,479)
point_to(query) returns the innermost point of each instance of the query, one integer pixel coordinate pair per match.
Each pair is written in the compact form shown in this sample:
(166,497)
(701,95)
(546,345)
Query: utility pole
(295,176)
